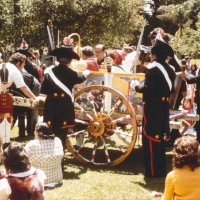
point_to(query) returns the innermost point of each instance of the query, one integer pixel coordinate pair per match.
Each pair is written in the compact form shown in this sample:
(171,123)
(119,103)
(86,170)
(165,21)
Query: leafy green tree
(188,44)
(107,21)
(111,22)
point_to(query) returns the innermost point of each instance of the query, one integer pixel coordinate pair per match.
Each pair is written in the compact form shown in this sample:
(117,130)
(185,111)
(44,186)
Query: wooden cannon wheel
(106,122)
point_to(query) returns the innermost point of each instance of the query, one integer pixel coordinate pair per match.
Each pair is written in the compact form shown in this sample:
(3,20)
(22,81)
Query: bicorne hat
(66,50)
(26,53)
(162,49)
(24,49)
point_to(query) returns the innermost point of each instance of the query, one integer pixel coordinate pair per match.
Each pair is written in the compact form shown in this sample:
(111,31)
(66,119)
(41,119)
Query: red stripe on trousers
(151,156)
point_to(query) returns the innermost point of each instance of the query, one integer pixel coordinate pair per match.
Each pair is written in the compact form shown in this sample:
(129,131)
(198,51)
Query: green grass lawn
(125,181)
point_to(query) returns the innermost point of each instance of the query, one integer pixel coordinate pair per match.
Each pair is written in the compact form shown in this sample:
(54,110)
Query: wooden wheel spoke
(83,111)
(88,115)
(94,110)
(106,151)
(81,147)
(111,126)
(81,122)
(114,107)
(83,106)
(78,106)
(94,151)
(123,136)
(76,133)
(122,118)
(115,145)
(99,103)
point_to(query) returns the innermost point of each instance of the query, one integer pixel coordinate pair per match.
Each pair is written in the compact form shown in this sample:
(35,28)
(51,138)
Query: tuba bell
(78,51)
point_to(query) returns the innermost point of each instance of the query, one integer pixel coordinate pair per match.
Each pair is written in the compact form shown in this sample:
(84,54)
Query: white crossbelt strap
(164,72)
(60,84)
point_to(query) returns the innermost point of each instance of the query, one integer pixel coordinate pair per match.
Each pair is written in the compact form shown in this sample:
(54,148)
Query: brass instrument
(79,42)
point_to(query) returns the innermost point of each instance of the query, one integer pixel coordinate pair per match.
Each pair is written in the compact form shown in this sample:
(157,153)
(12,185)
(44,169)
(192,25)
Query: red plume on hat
(67,41)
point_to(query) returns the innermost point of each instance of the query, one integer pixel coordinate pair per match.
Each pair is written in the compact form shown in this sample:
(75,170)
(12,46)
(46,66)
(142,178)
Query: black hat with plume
(65,51)
(162,49)
(24,48)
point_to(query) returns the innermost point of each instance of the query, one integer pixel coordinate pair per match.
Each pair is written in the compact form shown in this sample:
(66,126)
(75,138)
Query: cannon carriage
(108,115)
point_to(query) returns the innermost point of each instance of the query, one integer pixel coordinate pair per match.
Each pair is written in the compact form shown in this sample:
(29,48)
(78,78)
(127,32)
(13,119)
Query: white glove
(134,83)
(86,72)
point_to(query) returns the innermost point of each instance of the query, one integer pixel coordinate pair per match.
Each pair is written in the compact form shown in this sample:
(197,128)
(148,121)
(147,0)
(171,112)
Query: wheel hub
(96,128)
(101,125)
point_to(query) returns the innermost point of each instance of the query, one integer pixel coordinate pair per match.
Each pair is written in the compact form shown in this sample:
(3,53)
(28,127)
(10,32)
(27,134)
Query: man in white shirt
(14,75)
(9,73)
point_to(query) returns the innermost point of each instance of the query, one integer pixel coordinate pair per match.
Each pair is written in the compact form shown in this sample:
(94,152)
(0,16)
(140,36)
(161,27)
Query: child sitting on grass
(20,181)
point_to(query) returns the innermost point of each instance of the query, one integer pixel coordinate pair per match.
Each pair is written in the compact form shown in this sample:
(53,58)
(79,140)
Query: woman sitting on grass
(182,182)
(46,153)
(20,181)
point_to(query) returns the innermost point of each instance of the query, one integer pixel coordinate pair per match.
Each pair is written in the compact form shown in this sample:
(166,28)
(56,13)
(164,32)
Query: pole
(134,66)
(58,39)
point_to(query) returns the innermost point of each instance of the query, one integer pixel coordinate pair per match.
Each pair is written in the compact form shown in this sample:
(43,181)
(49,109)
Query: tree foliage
(111,22)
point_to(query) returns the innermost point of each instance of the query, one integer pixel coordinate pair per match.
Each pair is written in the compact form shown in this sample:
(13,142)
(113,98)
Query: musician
(29,67)
(57,85)
(13,75)
(156,89)
(20,112)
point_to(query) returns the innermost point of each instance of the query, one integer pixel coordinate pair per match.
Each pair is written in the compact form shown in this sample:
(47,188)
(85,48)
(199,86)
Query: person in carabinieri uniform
(57,85)
(156,89)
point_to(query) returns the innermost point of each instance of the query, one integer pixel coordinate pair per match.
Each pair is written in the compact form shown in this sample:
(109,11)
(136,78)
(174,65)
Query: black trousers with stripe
(154,157)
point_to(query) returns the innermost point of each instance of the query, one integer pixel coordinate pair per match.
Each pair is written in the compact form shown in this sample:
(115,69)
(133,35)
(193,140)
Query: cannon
(108,115)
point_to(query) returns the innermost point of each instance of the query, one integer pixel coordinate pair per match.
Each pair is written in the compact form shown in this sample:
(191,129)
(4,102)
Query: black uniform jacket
(156,93)
(32,69)
(59,108)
